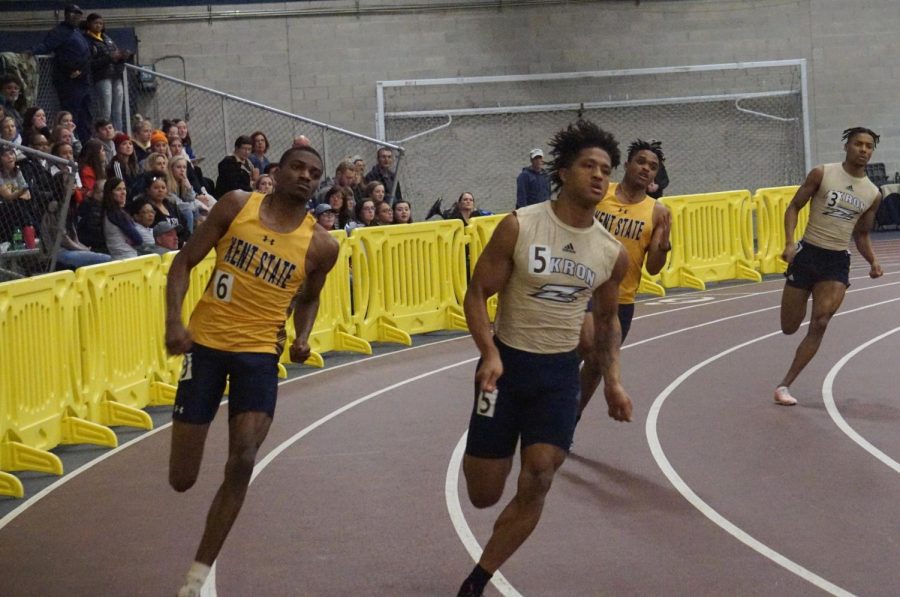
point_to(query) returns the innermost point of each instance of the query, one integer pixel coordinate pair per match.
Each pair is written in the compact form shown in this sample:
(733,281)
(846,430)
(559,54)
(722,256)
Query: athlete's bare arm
(491,275)
(320,258)
(204,239)
(862,240)
(801,198)
(660,244)
(608,337)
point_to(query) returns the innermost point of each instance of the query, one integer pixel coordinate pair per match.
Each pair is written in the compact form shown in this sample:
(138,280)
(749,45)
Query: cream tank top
(836,207)
(556,268)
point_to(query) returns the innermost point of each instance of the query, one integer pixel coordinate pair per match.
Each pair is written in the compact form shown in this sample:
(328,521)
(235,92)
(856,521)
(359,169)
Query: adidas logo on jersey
(568,248)
(849,187)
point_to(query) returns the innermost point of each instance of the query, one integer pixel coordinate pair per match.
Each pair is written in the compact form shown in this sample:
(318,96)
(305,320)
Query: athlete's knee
(181,481)
(484,497)
(819,323)
(536,478)
(239,467)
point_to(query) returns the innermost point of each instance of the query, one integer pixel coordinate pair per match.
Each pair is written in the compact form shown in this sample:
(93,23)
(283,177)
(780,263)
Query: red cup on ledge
(28,237)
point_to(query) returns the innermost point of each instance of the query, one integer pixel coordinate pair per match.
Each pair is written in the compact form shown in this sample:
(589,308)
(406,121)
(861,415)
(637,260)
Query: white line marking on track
(459,519)
(831,407)
(669,471)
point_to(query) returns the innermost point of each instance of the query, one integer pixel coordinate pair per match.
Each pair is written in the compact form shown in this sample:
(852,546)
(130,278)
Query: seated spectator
(61,134)
(156,165)
(235,171)
(159,143)
(464,208)
(264,184)
(9,132)
(383,172)
(15,208)
(271,169)
(336,198)
(10,98)
(260,146)
(72,253)
(124,164)
(365,215)
(344,177)
(35,121)
(375,191)
(89,222)
(140,137)
(66,120)
(176,149)
(36,171)
(122,236)
(59,171)
(164,205)
(92,163)
(402,212)
(105,132)
(143,215)
(384,214)
(326,216)
(182,127)
(192,207)
(346,213)
(166,235)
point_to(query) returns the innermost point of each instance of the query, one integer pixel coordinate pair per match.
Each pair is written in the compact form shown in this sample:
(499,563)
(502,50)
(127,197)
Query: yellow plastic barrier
(39,409)
(410,273)
(479,232)
(771,203)
(334,328)
(120,338)
(711,240)
(650,284)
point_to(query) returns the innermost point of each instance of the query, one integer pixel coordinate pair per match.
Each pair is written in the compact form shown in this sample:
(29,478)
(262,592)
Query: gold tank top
(632,225)
(258,272)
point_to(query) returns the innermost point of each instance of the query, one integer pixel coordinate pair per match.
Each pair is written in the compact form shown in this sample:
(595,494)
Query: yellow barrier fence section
(711,239)
(120,338)
(412,272)
(39,409)
(334,328)
(771,203)
(479,232)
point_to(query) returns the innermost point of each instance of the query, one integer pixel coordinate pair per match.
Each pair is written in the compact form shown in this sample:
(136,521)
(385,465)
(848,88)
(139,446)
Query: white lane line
(684,489)
(831,407)
(459,519)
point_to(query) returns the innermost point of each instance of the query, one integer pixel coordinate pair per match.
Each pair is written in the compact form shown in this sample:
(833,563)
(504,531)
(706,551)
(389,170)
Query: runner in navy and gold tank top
(842,204)
(270,256)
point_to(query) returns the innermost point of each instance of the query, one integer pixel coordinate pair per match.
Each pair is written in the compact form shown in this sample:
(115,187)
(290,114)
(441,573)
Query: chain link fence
(216,119)
(37,193)
(722,129)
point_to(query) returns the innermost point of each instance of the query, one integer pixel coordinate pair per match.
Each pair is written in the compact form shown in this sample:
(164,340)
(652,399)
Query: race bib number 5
(487,402)
(222,283)
(539,259)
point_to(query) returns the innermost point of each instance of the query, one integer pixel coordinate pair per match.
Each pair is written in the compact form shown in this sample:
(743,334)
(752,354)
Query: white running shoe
(191,588)
(783,396)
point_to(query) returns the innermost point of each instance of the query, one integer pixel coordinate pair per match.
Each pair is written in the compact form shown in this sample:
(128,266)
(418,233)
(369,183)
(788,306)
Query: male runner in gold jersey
(271,256)
(641,224)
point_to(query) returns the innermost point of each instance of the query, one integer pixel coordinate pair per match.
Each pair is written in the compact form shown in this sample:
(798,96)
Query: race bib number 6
(222,283)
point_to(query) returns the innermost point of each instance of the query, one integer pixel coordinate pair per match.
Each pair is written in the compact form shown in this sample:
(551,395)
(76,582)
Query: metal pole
(225,126)
(396,178)
(126,124)
(804,98)
(62,214)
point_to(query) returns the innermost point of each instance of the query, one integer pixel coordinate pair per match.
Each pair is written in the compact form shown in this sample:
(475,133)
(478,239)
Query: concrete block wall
(326,66)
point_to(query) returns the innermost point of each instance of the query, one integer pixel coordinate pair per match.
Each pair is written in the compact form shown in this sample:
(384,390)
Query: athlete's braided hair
(568,143)
(640,145)
(848,134)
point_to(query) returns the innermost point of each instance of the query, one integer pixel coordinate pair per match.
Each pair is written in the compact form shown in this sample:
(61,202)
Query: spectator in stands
(140,136)
(107,65)
(71,67)
(105,132)
(92,163)
(159,143)
(402,212)
(334,199)
(122,236)
(326,216)
(89,222)
(190,208)
(345,214)
(264,184)
(176,149)
(384,214)
(166,236)
(365,215)
(375,192)
(36,171)
(464,208)
(60,171)
(72,253)
(9,132)
(11,98)
(143,215)
(124,164)
(156,164)
(383,172)
(35,120)
(260,147)
(15,207)
(533,183)
(235,171)
(164,205)
(182,126)
(65,119)
(301,141)
(344,176)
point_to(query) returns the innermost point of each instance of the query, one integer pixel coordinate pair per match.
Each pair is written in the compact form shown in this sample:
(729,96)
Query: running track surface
(712,490)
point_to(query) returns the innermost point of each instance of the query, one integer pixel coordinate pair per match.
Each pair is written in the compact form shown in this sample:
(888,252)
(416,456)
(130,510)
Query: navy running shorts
(536,400)
(814,264)
(253,379)
(626,314)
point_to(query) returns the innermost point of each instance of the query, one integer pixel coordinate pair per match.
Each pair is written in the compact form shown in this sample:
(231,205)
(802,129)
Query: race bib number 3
(487,402)
(222,283)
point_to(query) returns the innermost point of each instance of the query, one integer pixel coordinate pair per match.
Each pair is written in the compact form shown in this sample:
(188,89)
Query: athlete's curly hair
(640,145)
(568,143)
(848,134)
